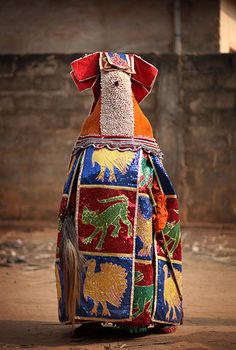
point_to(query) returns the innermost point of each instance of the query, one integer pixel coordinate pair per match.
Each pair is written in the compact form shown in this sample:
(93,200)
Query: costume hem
(122,144)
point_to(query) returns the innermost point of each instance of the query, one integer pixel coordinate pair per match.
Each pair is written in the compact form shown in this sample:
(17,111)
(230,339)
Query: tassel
(73,264)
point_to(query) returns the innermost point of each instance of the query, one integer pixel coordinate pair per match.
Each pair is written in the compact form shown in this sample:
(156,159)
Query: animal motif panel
(110,167)
(143,304)
(110,218)
(169,305)
(106,220)
(143,294)
(144,235)
(171,232)
(107,286)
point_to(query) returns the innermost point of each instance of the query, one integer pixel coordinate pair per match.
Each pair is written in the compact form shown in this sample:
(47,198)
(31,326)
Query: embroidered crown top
(86,70)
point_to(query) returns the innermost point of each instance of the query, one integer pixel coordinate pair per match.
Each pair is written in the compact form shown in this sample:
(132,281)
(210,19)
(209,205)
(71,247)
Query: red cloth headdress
(85,72)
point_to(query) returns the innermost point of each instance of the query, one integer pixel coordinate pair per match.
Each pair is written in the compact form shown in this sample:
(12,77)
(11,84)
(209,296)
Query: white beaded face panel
(117,113)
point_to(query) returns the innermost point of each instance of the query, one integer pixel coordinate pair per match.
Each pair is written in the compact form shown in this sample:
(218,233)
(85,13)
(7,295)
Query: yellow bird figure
(110,160)
(171,296)
(107,285)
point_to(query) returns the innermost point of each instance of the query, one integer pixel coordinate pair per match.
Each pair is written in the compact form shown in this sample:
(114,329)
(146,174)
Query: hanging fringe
(73,264)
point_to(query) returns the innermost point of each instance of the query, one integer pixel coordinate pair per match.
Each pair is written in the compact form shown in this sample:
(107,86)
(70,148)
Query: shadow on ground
(29,334)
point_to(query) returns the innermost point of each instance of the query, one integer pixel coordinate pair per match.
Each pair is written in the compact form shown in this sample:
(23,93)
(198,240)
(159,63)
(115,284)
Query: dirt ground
(28,306)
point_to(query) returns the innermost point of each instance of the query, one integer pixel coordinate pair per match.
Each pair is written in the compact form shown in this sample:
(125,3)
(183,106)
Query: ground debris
(107,347)
(26,250)
(216,243)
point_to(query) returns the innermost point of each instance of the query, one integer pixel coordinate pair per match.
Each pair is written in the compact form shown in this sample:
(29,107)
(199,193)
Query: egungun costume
(119,247)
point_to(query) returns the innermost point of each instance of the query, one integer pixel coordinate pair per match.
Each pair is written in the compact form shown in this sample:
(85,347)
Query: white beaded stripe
(117,113)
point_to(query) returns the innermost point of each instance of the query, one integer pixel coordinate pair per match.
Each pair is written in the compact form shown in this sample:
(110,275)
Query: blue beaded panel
(107,286)
(144,240)
(163,176)
(71,174)
(168,306)
(120,170)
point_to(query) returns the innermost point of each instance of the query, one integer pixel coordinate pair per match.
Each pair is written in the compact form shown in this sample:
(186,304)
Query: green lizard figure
(172,232)
(103,220)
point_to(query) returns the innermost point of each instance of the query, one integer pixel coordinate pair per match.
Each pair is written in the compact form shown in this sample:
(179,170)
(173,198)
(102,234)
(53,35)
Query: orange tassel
(161,215)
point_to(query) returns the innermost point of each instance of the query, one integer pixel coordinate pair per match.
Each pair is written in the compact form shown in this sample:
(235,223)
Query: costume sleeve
(143,78)
(85,71)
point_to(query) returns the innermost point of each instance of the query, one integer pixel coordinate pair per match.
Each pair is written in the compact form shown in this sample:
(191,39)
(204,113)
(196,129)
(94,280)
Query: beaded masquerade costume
(119,220)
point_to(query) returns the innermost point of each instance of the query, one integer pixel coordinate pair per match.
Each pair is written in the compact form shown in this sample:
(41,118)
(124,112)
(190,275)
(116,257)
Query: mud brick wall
(192,110)
(208,104)
(68,26)
(41,114)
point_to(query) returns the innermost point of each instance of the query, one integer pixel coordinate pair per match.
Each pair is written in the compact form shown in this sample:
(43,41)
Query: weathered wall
(200,26)
(50,26)
(209,120)
(192,109)
(85,26)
